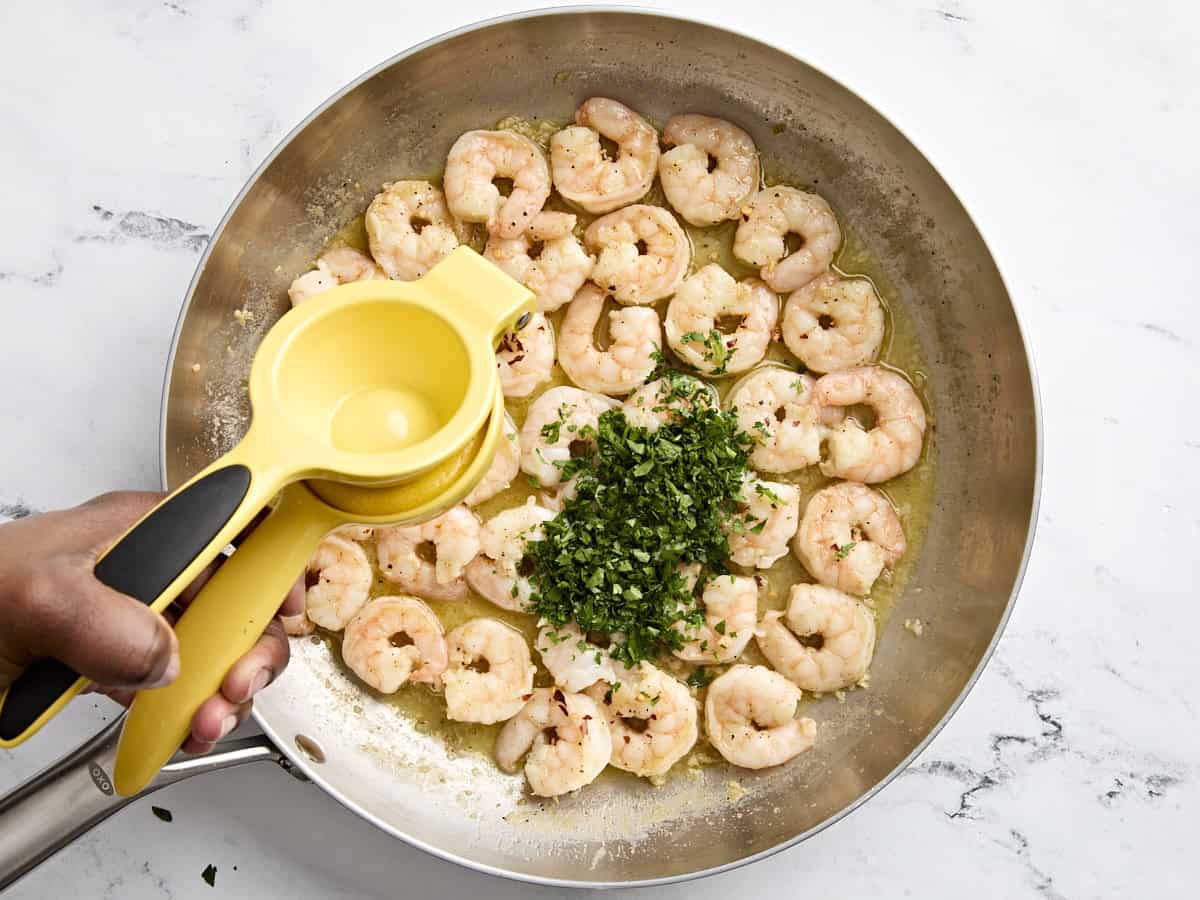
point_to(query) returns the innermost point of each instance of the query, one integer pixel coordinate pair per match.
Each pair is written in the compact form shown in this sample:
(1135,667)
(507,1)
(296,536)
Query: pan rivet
(310,748)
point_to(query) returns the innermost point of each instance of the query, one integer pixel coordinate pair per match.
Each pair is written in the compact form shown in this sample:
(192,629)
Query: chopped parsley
(163,814)
(763,491)
(715,351)
(646,503)
(844,550)
(700,678)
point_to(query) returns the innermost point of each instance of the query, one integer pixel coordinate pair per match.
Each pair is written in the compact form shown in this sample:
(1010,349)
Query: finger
(216,717)
(102,634)
(259,666)
(293,603)
(193,747)
(109,516)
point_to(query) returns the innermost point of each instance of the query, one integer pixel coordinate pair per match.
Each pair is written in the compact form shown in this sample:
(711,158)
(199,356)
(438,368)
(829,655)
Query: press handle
(152,563)
(487,300)
(220,625)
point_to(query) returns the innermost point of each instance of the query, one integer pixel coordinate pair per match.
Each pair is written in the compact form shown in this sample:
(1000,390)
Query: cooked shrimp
(490,674)
(663,400)
(547,258)
(429,559)
(338,580)
(498,572)
(565,736)
(643,254)
(652,719)
(749,715)
(583,172)
(559,425)
(571,660)
(834,323)
(525,358)
(341,265)
(889,449)
(372,649)
(712,170)
(842,626)
(849,534)
(775,406)
(634,340)
(770,216)
(476,160)
(504,468)
(730,614)
(410,229)
(708,301)
(760,531)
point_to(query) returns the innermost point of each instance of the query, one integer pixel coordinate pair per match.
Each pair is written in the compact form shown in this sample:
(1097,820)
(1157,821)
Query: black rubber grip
(141,565)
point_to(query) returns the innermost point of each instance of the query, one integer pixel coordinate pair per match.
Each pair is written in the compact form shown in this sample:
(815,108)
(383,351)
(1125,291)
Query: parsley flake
(646,503)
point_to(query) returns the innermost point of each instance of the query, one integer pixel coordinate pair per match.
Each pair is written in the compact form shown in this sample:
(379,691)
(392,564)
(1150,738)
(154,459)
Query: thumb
(105,635)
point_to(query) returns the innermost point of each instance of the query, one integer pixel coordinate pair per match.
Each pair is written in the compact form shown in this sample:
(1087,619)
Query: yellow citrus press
(376,402)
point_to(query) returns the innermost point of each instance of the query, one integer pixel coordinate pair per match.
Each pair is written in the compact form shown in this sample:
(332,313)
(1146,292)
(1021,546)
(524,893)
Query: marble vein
(16,509)
(137,225)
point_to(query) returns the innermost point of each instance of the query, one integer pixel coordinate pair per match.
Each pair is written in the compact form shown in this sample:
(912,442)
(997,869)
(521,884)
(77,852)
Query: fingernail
(170,673)
(227,725)
(261,679)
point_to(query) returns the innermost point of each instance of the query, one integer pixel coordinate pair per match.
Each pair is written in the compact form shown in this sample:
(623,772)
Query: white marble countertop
(1072,133)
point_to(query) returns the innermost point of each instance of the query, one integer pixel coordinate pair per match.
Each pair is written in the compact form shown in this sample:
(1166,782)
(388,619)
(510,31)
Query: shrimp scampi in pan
(583,171)
(497,573)
(525,357)
(642,255)
(634,338)
(547,258)
(430,559)
(848,536)
(703,303)
(370,646)
(767,220)
(563,737)
(476,161)
(823,642)
(411,229)
(711,169)
(341,265)
(713,404)
(892,445)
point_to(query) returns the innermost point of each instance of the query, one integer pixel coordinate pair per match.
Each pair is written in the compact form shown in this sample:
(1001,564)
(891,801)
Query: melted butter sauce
(911,493)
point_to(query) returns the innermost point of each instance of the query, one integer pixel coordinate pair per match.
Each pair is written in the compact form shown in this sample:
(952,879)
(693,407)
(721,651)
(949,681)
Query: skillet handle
(72,796)
(223,622)
(152,562)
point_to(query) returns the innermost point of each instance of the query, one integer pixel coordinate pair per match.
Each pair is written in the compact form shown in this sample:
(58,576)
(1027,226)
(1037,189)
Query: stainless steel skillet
(400,119)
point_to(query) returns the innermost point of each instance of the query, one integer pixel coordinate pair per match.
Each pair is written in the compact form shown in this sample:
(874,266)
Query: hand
(51,605)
